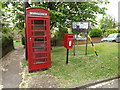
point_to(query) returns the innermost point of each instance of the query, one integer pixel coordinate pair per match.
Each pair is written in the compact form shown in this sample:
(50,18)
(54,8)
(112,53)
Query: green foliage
(110,31)
(96,32)
(17,42)
(6,31)
(24,63)
(61,32)
(6,35)
(61,13)
(15,12)
(107,22)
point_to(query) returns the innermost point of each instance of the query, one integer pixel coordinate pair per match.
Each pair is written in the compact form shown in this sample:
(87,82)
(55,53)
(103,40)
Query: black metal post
(74,48)
(87,38)
(86,43)
(67,56)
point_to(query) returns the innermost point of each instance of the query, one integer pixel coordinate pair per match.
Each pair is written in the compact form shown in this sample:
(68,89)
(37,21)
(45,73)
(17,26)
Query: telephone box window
(39,49)
(41,22)
(38,33)
(39,39)
(41,44)
(39,27)
(40,55)
(43,60)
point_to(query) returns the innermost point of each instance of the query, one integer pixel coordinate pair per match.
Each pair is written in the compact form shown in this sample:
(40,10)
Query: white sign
(70,43)
(80,25)
(38,13)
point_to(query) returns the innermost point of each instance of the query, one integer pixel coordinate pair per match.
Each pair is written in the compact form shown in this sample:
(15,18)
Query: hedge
(95,32)
(6,39)
(110,31)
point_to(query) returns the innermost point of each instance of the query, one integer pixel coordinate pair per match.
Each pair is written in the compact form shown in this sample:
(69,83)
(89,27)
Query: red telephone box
(38,38)
(68,41)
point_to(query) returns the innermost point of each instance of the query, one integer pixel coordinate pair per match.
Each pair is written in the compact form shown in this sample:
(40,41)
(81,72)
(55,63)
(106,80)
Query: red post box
(38,38)
(68,41)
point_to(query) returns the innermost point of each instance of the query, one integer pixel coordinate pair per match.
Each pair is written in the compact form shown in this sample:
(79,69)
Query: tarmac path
(11,68)
(109,84)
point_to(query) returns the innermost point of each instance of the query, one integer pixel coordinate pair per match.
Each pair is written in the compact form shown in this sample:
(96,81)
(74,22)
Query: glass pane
(39,39)
(39,49)
(41,44)
(39,27)
(38,33)
(39,55)
(39,22)
(41,60)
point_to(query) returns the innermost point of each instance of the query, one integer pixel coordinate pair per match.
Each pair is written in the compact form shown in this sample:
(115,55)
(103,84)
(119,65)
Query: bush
(6,39)
(95,32)
(110,31)
(53,41)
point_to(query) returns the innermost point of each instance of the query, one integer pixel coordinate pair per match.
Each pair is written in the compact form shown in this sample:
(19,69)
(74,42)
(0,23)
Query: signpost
(78,27)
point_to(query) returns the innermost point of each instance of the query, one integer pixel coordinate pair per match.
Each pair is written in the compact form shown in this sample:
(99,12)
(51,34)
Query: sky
(112,9)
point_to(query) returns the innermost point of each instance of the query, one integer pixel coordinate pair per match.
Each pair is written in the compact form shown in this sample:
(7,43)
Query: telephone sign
(38,38)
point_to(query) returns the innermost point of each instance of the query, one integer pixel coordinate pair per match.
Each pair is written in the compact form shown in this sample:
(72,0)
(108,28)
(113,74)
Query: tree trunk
(26,5)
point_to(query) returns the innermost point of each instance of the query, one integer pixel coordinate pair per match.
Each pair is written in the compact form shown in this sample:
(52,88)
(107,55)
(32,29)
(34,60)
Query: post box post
(68,43)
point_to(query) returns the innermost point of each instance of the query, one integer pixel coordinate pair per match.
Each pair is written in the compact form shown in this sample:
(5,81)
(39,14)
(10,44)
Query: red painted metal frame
(67,38)
(30,39)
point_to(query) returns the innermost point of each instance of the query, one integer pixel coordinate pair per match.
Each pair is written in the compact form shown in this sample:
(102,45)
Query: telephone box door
(38,43)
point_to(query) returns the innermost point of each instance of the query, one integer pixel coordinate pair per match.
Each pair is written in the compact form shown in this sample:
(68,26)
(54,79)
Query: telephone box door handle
(30,39)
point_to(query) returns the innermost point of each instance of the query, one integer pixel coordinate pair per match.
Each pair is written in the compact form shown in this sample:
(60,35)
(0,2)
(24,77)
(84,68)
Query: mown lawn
(83,68)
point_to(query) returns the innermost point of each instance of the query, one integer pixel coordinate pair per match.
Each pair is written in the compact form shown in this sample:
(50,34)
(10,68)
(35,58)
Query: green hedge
(6,42)
(95,32)
(110,31)
(6,39)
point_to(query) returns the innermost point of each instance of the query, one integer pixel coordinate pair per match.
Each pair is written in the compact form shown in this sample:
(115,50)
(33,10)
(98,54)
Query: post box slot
(39,49)
(39,27)
(39,55)
(38,33)
(43,60)
(70,36)
(41,44)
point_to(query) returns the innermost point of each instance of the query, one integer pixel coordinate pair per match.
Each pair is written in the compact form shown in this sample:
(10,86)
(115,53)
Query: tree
(107,22)
(61,13)
(65,12)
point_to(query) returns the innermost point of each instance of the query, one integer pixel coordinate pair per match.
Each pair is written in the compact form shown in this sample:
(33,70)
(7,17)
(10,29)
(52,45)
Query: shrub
(95,32)
(6,39)
(110,31)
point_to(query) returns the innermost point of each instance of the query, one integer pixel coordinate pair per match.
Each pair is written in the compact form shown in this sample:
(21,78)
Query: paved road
(110,84)
(11,70)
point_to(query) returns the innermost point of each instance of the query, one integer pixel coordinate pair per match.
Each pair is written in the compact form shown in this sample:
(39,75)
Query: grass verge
(83,68)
